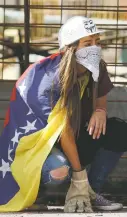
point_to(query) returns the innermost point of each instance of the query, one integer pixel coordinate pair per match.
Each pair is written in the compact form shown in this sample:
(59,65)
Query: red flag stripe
(7,117)
(13,95)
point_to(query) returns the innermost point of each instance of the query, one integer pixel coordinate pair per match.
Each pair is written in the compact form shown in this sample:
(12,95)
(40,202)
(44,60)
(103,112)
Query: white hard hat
(76,28)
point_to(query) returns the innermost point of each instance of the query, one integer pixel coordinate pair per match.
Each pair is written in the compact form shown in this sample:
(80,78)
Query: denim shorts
(87,148)
(55,159)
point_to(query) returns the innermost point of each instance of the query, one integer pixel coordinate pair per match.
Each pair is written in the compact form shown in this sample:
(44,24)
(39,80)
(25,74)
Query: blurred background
(28,32)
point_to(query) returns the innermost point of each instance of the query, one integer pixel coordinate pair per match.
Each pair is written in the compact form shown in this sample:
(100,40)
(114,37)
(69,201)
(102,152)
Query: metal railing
(30,32)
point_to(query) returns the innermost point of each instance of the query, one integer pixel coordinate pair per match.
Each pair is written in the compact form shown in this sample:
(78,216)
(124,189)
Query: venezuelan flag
(30,131)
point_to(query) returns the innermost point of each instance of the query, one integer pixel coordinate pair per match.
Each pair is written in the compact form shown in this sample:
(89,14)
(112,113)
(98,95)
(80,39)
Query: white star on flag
(30,112)
(22,88)
(5,168)
(29,126)
(9,152)
(15,138)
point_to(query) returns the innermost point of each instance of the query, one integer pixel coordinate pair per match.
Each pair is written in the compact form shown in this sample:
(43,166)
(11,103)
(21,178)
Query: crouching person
(85,139)
(56,125)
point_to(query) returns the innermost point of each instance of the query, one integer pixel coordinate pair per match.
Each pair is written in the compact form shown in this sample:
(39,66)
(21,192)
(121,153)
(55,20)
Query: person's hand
(97,124)
(78,198)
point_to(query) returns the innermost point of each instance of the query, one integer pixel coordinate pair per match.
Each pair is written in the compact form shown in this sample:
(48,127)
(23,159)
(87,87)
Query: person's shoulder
(51,60)
(47,64)
(103,64)
(102,68)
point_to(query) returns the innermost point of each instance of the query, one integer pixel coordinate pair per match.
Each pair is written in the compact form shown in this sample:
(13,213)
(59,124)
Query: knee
(60,173)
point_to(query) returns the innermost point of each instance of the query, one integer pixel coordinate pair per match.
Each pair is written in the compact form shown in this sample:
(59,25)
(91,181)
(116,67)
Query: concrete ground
(66,215)
(58,212)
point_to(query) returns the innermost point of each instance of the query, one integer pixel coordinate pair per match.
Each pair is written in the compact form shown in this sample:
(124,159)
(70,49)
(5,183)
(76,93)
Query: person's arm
(69,147)
(97,124)
(102,102)
(79,193)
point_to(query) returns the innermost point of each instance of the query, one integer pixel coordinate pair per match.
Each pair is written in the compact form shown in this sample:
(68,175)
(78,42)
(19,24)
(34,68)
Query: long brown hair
(70,91)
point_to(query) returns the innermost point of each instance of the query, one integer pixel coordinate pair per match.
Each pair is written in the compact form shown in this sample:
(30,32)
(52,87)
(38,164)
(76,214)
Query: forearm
(102,102)
(69,147)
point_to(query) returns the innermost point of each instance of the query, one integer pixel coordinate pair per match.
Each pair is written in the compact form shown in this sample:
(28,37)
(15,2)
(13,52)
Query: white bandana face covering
(90,58)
